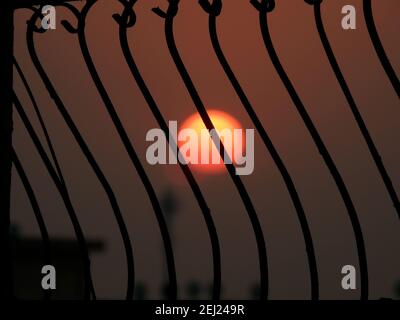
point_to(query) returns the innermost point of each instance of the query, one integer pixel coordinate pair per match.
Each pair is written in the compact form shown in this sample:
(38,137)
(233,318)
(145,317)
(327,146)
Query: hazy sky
(298,45)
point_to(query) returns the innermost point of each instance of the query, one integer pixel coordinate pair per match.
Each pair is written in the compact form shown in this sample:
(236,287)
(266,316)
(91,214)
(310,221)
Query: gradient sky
(298,45)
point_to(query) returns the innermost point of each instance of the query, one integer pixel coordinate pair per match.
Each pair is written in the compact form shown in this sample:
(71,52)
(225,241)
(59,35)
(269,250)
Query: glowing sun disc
(221,121)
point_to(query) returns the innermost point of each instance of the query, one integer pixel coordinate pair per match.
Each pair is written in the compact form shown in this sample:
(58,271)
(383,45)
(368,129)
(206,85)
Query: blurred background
(298,45)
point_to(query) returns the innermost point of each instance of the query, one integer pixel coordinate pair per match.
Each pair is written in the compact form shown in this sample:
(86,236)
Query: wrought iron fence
(126,21)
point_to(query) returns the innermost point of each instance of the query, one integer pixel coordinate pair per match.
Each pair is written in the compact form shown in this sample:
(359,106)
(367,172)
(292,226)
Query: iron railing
(126,21)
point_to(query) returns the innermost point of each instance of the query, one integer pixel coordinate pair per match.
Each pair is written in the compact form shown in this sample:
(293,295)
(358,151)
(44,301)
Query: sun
(206,149)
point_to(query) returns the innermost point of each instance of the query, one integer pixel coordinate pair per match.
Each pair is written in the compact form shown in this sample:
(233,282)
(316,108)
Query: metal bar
(124,24)
(41,121)
(380,50)
(37,212)
(89,157)
(63,193)
(265,7)
(214,10)
(6,128)
(89,288)
(191,89)
(354,109)
(129,148)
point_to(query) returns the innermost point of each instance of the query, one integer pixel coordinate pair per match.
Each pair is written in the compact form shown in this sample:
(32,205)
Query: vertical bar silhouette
(91,160)
(129,148)
(252,214)
(354,109)
(214,11)
(125,21)
(6,128)
(65,196)
(37,212)
(265,7)
(380,50)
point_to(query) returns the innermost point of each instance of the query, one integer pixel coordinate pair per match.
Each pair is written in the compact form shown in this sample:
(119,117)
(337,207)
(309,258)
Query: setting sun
(222,122)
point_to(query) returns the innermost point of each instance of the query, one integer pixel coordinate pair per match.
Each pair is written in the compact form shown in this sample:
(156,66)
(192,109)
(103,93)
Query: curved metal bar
(125,21)
(380,51)
(214,10)
(64,194)
(354,109)
(252,214)
(172,289)
(41,121)
(265,7)
(91,160)
(37,212)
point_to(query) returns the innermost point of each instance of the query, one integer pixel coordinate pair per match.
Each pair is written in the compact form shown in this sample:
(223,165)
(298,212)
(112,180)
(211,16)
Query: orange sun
(206,148)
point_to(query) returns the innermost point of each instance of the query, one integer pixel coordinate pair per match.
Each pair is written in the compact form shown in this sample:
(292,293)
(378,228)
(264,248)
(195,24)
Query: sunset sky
(298,45)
